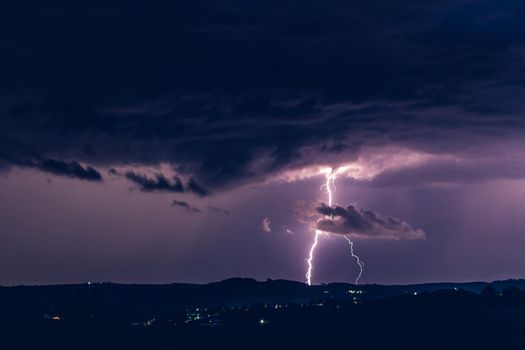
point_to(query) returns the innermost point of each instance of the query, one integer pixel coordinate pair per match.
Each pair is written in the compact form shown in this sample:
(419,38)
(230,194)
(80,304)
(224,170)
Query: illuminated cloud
(265,225)
(288,230)
(364,223)
(366,166)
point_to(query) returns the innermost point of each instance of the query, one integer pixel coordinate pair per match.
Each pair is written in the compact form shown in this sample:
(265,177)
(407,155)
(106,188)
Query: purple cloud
(364,223)
(265,225)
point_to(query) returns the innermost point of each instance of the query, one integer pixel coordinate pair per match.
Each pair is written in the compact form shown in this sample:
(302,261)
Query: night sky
(186,141)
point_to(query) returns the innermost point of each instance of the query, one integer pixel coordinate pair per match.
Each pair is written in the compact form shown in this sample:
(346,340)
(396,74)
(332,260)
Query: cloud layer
(277,87)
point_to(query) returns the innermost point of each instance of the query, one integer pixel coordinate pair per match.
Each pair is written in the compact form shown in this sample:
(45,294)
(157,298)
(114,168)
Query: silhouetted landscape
(248,313)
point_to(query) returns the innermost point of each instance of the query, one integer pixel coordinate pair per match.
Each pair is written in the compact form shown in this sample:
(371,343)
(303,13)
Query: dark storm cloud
(71,169)
(25,157)
(364,223)
(185,205)
(232,92)
(159,183)
(194,187)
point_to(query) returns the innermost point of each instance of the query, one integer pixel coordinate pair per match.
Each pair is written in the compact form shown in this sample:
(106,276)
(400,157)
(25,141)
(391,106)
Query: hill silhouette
(243,312)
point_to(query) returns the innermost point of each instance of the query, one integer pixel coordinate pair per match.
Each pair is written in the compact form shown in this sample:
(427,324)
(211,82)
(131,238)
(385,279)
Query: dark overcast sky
(146,141)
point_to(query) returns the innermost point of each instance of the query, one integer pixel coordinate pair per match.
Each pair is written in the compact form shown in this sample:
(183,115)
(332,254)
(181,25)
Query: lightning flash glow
(329,187)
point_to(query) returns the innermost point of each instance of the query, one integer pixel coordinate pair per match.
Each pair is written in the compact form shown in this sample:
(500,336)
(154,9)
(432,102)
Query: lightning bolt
(359,262)
(329,186)
(330,178)
(311,258)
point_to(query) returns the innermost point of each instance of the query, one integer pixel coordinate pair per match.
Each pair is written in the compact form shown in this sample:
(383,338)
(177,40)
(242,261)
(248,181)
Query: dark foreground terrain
(244,313)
